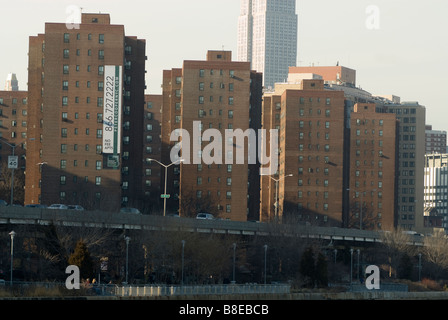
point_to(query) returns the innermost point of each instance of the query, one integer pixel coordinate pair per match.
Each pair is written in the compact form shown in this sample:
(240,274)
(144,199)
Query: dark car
(36,205)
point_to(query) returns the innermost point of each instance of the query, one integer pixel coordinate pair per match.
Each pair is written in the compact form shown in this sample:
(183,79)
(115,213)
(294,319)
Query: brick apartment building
(152,145)
(66,99)
(311,143)
(340,149)
(372,183)
(219,94)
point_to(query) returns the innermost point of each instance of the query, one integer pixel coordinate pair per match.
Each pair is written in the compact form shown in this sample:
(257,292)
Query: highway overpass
(128,221)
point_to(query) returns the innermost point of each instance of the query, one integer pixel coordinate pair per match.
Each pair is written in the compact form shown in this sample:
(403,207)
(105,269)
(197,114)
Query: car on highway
(130,210)
(75,207)
(205,216)
(36,205)
(58,206)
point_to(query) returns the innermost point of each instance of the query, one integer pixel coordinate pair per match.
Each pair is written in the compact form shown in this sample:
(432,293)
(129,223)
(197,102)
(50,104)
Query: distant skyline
(405,54)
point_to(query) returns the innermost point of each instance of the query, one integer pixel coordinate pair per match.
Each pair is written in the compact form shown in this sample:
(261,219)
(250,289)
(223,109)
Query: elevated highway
(127,221)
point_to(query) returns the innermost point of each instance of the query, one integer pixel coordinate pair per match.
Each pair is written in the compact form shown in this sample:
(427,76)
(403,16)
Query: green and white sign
(113,83)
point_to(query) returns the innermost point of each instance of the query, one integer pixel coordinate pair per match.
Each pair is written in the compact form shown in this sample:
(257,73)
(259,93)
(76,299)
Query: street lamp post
(12,234)
(127,256)
(265,253)
(276,192)
(359,269)
(419,266)
(166,173)
(234,248)
(351,267)
(183,250)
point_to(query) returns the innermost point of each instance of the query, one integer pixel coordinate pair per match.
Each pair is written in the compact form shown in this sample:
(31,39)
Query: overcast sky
(404,52)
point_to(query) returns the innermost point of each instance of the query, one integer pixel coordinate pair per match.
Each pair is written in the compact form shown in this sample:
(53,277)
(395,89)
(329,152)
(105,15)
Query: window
(63,180)
(99,133)
(66,37)
(63,148)
(230,114)
(228,208)
(101,38)
(65,69)
(201,73)
(98,165)
(201,99)
(65,85)
(63,164)
(100,70)
(101,54)
(65,101)
(64,132)
(231,101)
(98,181)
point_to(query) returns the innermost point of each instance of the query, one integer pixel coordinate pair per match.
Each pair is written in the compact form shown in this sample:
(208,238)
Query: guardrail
(158,291)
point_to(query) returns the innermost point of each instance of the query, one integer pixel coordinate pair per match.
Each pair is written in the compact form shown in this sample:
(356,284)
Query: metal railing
(158,291)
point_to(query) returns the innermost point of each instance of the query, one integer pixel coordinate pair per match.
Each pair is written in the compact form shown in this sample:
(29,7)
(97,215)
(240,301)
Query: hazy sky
(404,52)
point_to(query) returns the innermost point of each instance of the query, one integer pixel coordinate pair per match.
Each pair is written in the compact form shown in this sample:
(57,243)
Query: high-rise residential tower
(435,140)
(215,96)
(267,37)
(435,190)
(85,115)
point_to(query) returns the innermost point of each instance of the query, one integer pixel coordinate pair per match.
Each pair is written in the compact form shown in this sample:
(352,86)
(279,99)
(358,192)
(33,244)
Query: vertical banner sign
(112,109)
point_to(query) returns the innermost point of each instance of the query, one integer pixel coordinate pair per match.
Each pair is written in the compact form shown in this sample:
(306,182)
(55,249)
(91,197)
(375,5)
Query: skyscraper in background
(11,83)
(267,37)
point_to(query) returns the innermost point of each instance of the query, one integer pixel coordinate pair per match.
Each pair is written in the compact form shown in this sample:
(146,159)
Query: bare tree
(396,243)
(190,204)
(436,252)
(369,219)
